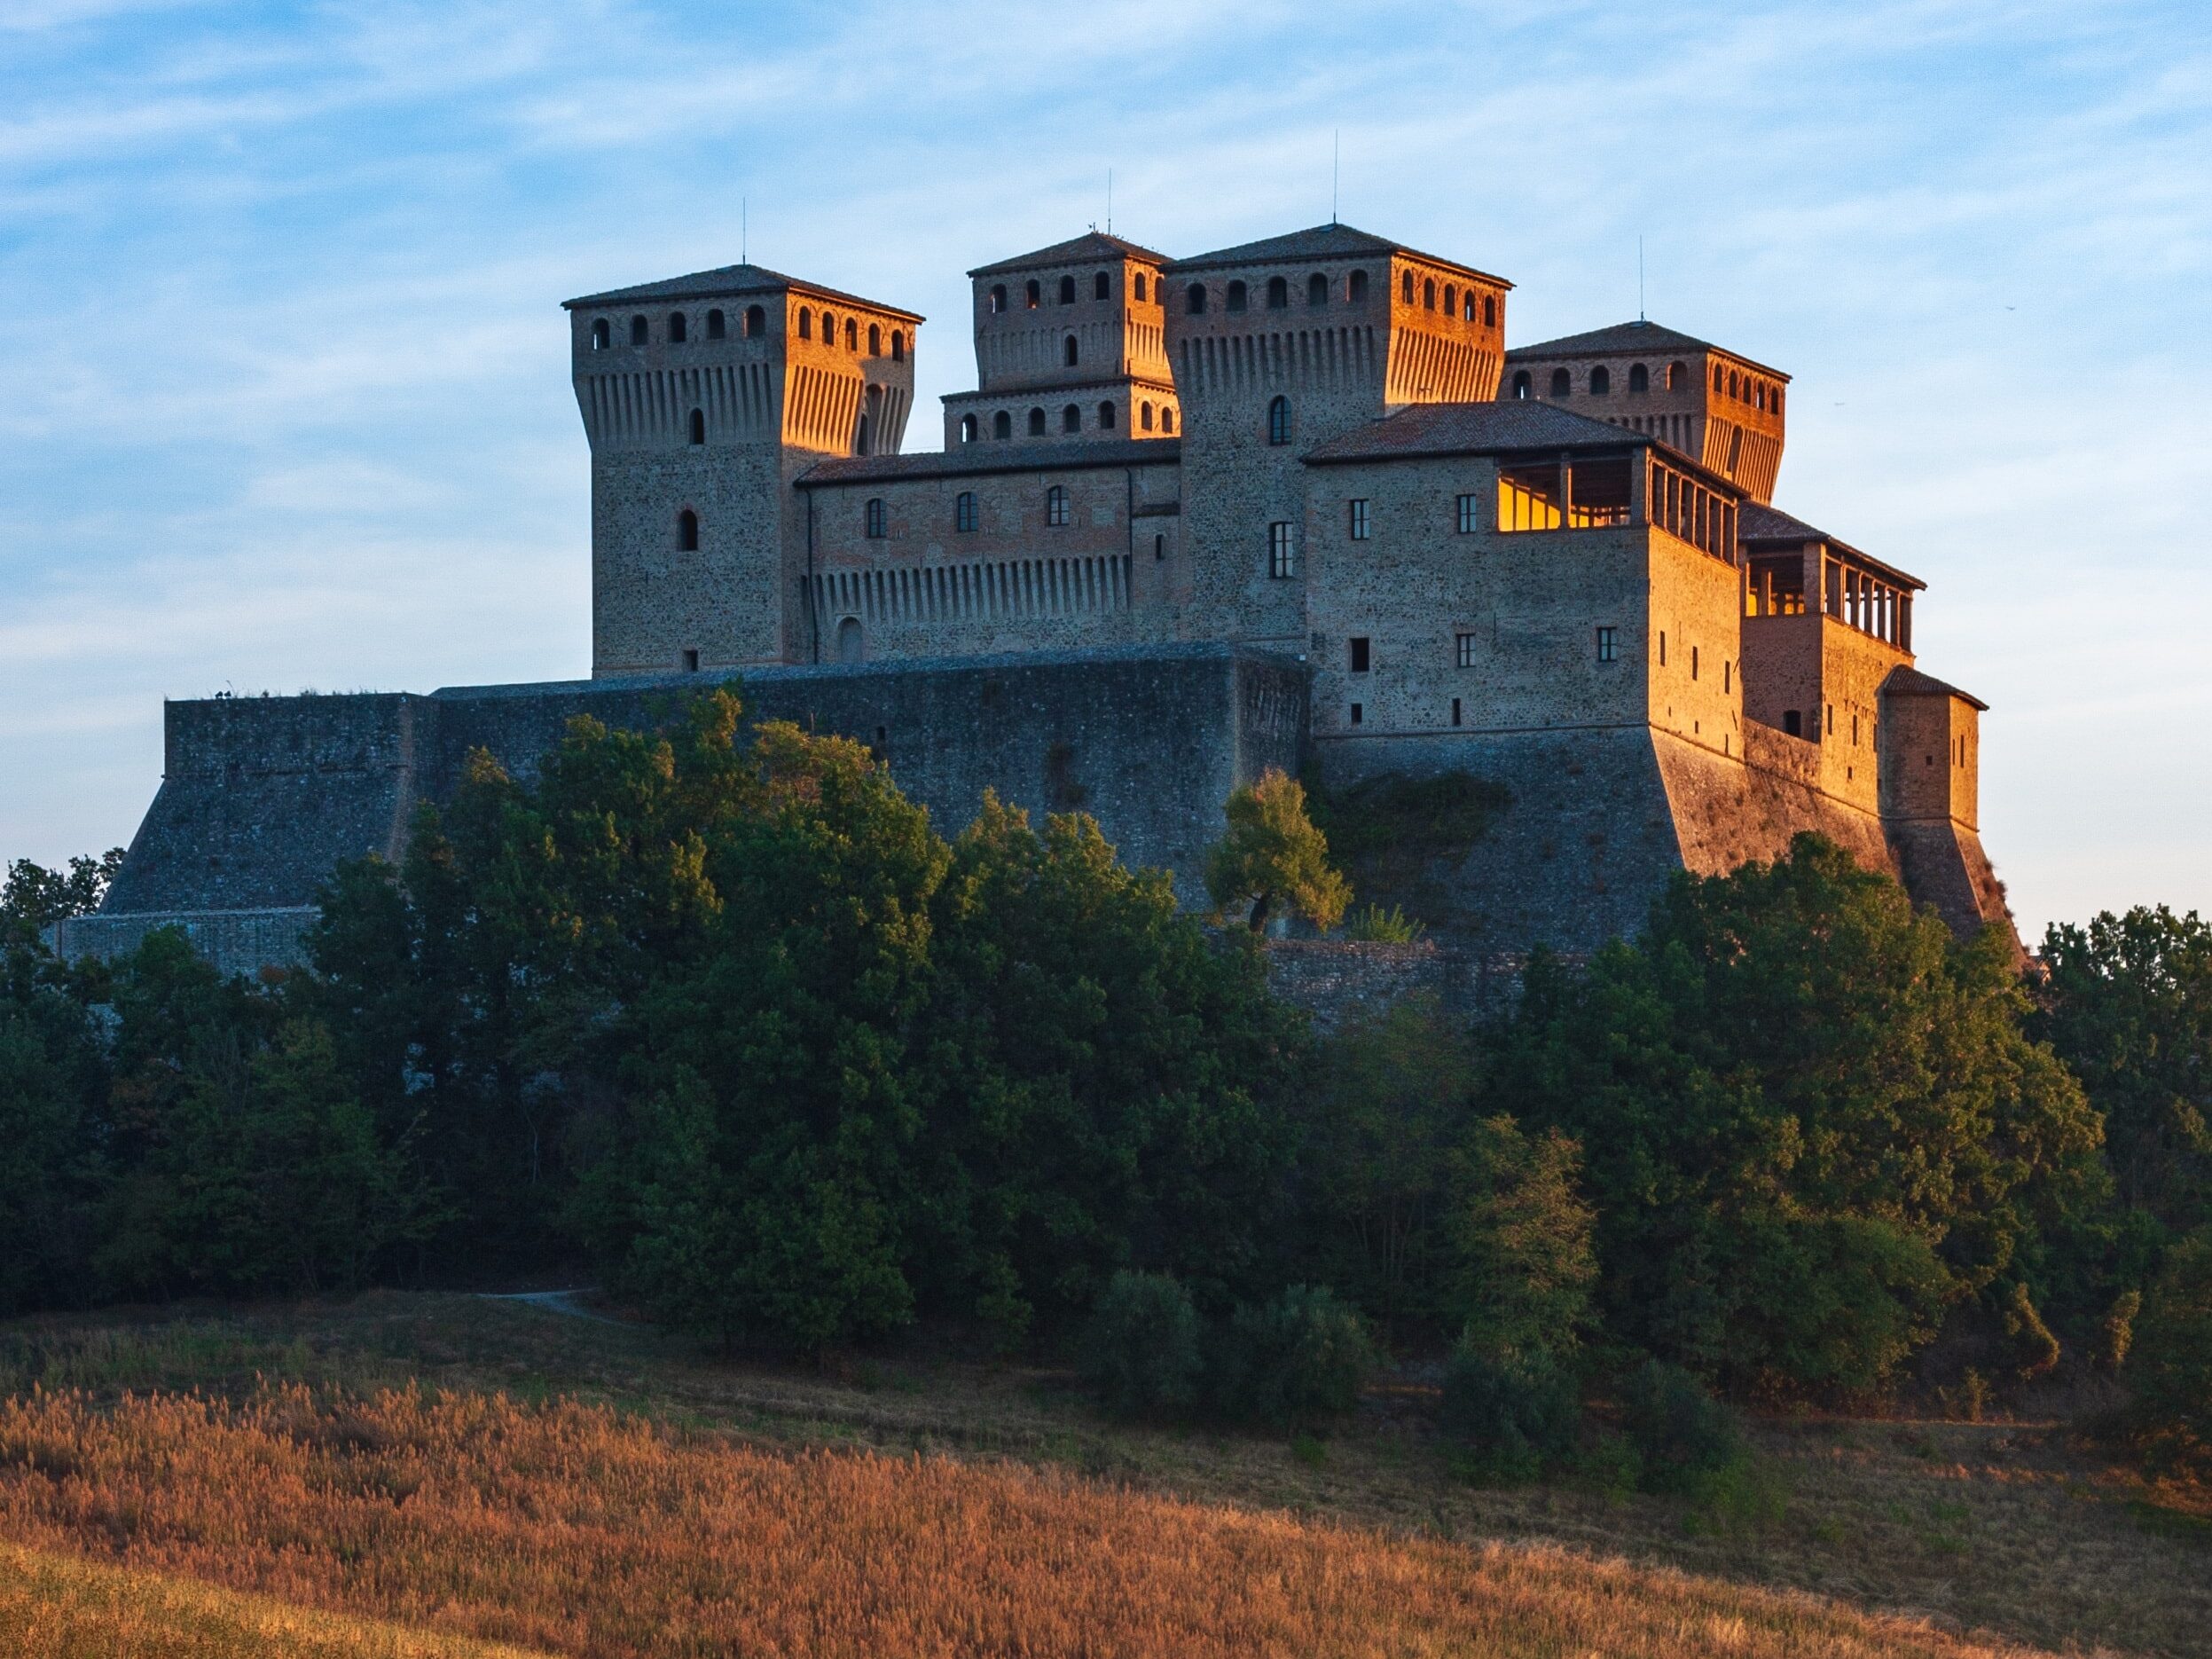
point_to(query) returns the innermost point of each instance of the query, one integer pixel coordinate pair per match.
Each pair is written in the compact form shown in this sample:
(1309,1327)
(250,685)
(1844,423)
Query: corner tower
(702,398)
(1716,406)
(1281,345)
(1068,344)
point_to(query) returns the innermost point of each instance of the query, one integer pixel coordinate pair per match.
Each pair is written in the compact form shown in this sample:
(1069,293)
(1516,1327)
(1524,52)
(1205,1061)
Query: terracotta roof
(1755,522)
(996,455)
(1910,682)
(1477,429)
(1625,338)
(1090,245)
(729,279)
(1324,241)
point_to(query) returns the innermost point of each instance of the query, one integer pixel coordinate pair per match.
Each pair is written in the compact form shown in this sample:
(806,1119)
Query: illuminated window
(1034,293)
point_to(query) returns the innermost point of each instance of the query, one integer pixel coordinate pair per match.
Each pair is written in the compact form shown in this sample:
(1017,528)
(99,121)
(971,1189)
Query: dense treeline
(719,1011)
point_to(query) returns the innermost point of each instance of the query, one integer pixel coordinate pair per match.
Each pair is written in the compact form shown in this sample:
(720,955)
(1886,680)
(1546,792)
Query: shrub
(1685,1437)
(1377,927)
(1512,1413)
(1141,1350)
(1293,1363)
(2169,1371)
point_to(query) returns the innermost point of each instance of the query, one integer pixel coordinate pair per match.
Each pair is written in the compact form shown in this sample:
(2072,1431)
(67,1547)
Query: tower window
(1280,561)
(698,426)
(1794,722)
(1057,506)
(718,326)
(1359,518)
(678,329)
(1720,379)
(1405,287)
(1357,650)
(1468,523)
(1002,425)
(806,324)
(1831,719)
(1317,289)
(1159,548)
(1677,376)
(898,345)
(968,428)
(1167,419)
(1101,287)
(691,660)
(964,510)
(637,331)
(1034,293)
(602,335)
(1359,714)
(1068,352)
(755,322)
(998,297)
(1428,295)
(1140,286)
(1072,419)
(1601,381)
(1639,379)
(1608,645)
(1144,417)
(1451,299)
(1037,423)
(875,340)
(1278,294)
(1561,385)
(1355,286)
(1236,296)
(876,517)
(1522,385)
(1489,311)
(1279,420)
(1195,299)
(1464,652)
(1455,711)
(1106,417)
(687,531)
(852,335)
(1693,662)
(1067,290)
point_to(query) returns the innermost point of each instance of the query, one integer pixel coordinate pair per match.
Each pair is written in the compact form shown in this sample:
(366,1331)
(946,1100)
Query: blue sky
(283,378)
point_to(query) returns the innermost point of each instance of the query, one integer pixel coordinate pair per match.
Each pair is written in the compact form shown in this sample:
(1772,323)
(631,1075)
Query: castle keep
(1291,503)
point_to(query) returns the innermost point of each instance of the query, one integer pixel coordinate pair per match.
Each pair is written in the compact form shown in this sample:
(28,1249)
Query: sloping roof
(1755,522)
(1478,429)
(991,455)
(1910,682)
(1623,338)
(729,279)
(1076,249)
(1324,241)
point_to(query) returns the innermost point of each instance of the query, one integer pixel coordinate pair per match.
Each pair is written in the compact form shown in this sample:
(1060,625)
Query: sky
(283,375)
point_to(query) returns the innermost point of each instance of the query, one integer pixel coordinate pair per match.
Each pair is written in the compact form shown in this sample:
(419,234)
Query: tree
(53,1097)
(2169,1369)
(33,897)
(1274,856)
(1522,1262)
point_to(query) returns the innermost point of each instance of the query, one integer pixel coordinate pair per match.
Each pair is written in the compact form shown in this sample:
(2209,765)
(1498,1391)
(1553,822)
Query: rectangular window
(875,518)
(1279,559)
(1467,524)
(1159,548)
(1359,656)
(1358,712)
(1662,647)
(1455,711)
(691,662)
(1608,649)
(1464,648)
(964,510)
(1359,520)
(1793,722)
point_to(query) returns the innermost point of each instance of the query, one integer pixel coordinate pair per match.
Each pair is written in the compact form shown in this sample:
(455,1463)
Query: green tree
(33,897)
(53,1093)
(2170,1368)
(1273,857)
(1522,1264)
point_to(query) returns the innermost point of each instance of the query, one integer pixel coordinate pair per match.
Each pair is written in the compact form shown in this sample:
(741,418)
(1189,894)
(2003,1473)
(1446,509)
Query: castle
(1291,503)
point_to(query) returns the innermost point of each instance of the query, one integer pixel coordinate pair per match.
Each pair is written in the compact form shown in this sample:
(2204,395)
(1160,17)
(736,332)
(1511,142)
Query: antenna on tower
(744,232)
(1640,317)
(1110,201)
(1336,149)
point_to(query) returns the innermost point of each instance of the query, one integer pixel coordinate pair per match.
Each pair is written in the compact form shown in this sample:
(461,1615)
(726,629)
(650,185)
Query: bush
(1512,1413)
(1685,1437)
(2169,1371)
(1141,1350)
(1293,1363)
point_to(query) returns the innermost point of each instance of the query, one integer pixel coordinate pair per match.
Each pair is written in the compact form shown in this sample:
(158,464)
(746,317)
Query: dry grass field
(625,1497)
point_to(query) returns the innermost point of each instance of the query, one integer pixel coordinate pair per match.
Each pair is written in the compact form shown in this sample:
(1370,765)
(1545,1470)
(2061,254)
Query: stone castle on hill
(1292,503)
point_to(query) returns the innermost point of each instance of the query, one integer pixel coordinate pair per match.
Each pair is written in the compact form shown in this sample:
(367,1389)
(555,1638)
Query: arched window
(1467,307)
(1677,376)
(755,322)
(1317,289)
(852,335)
(1489,311)
(968,428)
(1068,352)
(1037,423)
(964,510)
(1067,290)
(1106,417)
(998,297)
(718,326)
(1720,379)
(1355,286)
(861,434)
(1774,402)
(698,426)
(1144,417)
(1057,506)
(1405,286)
(602,336)
(678,330)
(1561,386)
(1523,386)
(1195,299)
(1167,419)
(1140,284)
(687,531)
(1035,293)
(1002,425)
(876,527)
(1278,294)
(1639,379)
(1236,296)
(851,642)
(875,340)
(806,324)
(1601,381)
(1279,420)
(1451,299)
(1101,287)
(898,345)
(637,331)
(1072,418)
(1428,295)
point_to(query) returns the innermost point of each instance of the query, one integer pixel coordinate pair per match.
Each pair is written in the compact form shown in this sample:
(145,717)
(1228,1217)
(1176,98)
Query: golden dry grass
(57,1606)
(578,1531)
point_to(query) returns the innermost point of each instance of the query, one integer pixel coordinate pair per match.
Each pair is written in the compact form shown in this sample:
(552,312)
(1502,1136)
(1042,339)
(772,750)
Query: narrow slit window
(1281,558)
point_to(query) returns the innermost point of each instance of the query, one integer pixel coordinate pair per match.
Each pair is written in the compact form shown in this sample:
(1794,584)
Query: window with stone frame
(1279,420)
(1056,506)
(1470,520)
(876,525)
(1282,559)
(1608,645)
(1463,649)
(1359,520)
(964,517)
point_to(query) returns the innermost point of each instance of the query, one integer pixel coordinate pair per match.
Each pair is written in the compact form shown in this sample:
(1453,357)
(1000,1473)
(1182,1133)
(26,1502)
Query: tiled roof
(1324,241)
(1624,338)
(996,455)
(1910,682)
(728,279)
(1475,429)
(1757,522)
(1090,245)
